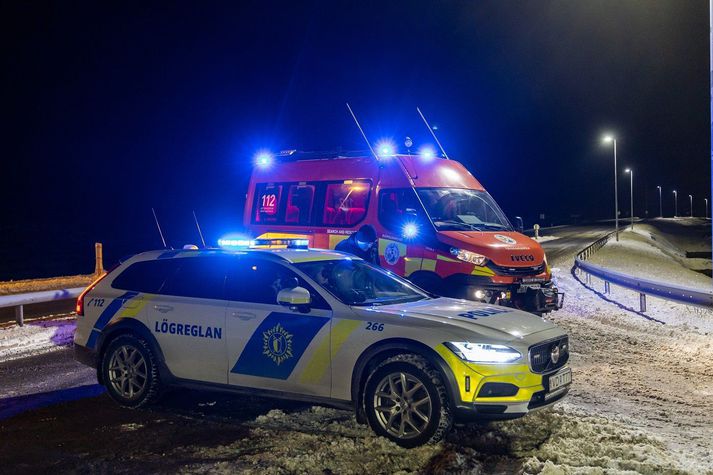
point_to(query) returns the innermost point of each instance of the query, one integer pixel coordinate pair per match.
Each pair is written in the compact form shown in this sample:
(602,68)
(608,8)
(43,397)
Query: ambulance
(318,326)
(436,224)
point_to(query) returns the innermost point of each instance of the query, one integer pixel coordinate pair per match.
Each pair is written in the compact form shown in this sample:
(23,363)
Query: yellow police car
(319,326)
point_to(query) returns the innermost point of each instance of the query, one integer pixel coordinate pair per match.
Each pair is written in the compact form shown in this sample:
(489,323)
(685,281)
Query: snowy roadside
(648,372)
(36,336)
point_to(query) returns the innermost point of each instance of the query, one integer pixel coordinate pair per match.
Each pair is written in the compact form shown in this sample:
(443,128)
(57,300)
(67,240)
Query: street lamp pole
(660,205)
(612,139)
(690,197)
(675,203)
(631,183)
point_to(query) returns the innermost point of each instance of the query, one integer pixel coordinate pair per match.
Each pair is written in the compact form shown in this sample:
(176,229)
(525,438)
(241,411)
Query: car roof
(292,256)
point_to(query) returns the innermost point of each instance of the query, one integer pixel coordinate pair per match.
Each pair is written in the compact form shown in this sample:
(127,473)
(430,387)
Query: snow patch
(35,337)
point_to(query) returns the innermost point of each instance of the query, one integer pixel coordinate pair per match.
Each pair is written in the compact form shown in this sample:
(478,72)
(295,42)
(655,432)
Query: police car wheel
(405,400)
(130,371)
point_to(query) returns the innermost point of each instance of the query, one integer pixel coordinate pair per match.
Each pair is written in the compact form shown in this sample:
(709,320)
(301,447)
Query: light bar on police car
(483,353)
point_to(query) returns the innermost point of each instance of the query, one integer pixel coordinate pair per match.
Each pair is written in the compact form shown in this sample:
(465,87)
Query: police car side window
(198,277)
(259,281)
(145,276)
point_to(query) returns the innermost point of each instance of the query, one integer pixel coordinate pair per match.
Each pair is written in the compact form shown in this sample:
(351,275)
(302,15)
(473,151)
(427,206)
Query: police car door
(188,318)
(271,346)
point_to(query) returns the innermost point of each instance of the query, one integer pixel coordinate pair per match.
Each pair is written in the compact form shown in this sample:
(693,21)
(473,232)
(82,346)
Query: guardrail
(20,300)
(644,287)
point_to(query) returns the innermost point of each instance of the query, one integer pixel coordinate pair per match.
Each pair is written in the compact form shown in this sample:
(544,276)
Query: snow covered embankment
(36,336)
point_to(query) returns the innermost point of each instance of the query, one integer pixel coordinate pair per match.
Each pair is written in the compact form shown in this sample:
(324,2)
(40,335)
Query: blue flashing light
(410,230)
(235,243)
(427,153)
(263,159)
(385,148)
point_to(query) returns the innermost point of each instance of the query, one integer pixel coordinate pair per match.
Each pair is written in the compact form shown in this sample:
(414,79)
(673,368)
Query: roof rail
(290,155)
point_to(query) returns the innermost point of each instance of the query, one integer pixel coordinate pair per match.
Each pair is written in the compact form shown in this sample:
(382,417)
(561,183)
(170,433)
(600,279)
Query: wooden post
(99,259)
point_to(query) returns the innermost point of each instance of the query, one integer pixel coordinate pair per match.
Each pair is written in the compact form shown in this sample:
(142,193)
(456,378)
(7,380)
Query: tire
(130,371)
(426,417)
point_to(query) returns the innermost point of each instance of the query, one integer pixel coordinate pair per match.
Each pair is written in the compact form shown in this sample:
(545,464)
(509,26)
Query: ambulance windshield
(356,282)
(454,209)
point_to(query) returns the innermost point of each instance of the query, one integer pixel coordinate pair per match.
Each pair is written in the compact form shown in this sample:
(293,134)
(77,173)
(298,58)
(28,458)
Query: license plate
(560,379)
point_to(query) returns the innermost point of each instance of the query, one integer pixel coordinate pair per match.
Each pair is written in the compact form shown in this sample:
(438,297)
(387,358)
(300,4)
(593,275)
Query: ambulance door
(404,228)
(187,317)
(271,346)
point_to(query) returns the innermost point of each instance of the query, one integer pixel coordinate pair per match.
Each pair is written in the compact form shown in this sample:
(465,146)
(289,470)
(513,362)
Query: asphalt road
(571,239)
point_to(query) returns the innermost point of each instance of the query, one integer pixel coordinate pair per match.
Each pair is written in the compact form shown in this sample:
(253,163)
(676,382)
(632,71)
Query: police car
(319,326)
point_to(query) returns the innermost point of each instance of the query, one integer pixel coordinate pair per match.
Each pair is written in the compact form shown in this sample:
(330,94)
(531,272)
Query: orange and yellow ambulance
(436,224)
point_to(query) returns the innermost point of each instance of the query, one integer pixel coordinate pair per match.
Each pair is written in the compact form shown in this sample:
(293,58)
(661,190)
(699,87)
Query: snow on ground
(36,336)
(545,238)
(649,372)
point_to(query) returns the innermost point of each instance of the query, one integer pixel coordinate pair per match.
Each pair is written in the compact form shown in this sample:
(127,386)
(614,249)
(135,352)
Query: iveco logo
(523,258)
(555,354)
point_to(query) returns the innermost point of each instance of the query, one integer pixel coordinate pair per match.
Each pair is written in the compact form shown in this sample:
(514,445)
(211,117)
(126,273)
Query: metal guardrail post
(20,315)
(607,287)
(642,303)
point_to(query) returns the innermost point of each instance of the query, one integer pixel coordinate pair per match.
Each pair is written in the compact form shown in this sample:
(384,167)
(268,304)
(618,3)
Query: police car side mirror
(297,299)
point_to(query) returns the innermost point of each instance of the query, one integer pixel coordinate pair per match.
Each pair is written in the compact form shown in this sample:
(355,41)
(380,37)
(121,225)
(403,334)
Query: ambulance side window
(398,206)
(299,204)
(345,204)
(198,277)
(267,205)
(259,281)
(146,276)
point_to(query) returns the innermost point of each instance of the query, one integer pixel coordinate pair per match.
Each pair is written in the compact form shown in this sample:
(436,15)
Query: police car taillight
(80,300)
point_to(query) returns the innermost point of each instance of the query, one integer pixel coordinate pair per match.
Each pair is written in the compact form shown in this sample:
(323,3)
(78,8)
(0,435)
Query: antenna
(362,132)
(159,228)
(199,228)
(430,129)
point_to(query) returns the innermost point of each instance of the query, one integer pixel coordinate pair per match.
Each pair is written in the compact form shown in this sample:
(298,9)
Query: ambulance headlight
(483,353)
(468,256)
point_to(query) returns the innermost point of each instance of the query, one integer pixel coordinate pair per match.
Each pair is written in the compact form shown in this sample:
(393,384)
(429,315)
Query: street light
(611,139)
(631,176)
(690,197)
(660,207)
(675,203)
(706,200)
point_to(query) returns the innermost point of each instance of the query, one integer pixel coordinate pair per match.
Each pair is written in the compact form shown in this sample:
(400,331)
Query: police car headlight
(483,353)
(468,256)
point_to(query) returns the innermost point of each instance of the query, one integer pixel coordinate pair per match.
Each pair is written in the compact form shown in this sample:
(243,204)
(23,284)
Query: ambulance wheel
(130,371)
(405,400)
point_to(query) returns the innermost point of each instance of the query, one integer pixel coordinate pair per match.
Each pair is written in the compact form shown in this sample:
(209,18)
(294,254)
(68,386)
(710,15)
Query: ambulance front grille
(517,271)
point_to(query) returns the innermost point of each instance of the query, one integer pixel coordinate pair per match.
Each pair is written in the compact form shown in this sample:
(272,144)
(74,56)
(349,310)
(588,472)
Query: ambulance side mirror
(519,225)
(297,299)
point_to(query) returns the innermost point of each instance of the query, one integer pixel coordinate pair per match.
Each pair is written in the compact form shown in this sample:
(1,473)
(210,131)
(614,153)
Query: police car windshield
(355,282)
(463,210)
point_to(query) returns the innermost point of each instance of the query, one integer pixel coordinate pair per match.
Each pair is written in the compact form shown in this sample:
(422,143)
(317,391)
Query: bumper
(509,410)
(491,391)
(85,356)
(538,297)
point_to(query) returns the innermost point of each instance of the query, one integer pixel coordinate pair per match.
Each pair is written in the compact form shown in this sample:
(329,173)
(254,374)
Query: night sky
(112,108)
